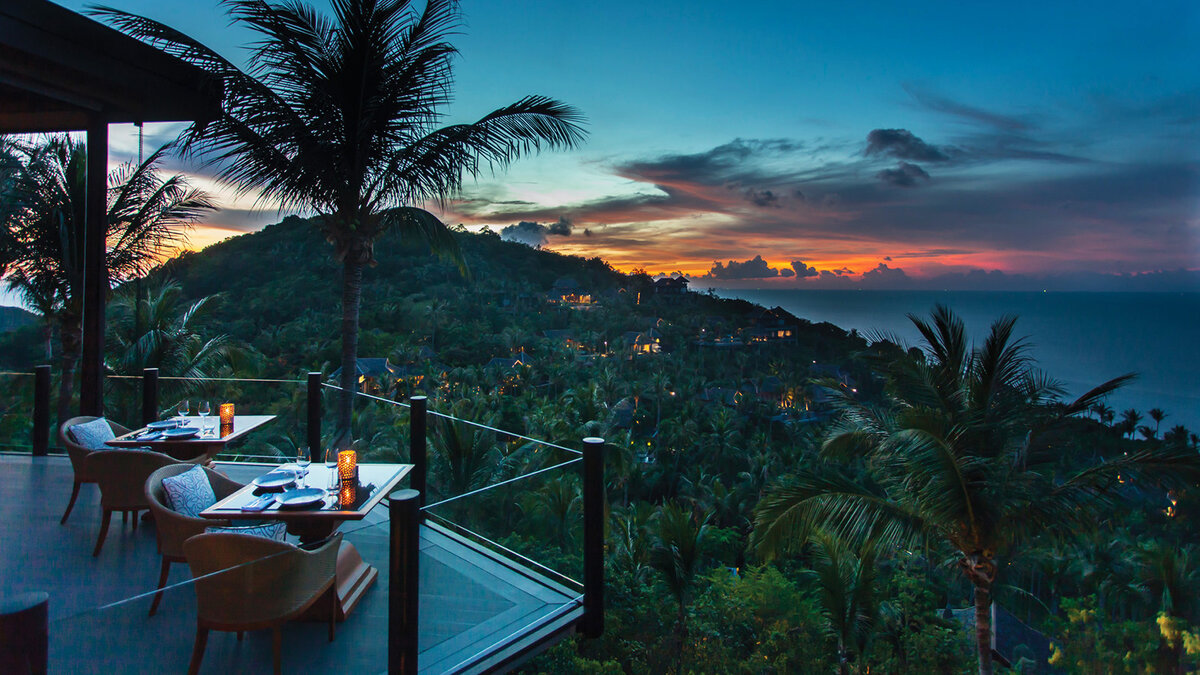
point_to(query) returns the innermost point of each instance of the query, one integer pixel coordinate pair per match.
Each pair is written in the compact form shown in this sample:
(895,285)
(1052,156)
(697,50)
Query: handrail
(208,379)
(459,419)
(503,482)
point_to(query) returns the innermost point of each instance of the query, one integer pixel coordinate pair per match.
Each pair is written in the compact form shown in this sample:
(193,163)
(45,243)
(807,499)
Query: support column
(418,453)
(404,588)
(314,416)
(41,410)
(95,276)
(149,395)
(592,623)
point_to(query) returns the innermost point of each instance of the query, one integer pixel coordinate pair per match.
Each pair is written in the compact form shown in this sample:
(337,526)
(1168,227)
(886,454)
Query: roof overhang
(60,70)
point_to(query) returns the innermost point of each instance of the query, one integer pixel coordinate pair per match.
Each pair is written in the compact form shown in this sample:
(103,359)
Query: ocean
(1080,339)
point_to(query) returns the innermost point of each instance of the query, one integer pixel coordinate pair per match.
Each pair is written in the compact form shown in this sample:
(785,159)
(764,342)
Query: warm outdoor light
(226,411)
(347,466)
(347,493)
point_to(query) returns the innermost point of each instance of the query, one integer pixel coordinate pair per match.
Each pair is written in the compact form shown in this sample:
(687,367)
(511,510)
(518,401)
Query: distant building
(771,326)
(504,363)
(643,342)
(370,372)
(671,286)
(567,291)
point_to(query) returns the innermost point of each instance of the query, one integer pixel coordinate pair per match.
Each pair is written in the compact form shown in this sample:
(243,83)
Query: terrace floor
(478,611)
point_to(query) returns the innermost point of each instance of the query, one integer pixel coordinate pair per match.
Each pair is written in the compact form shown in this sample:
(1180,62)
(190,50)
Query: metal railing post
(592,623)
(417,451)
(149,395)
(404,587)
(41,411)
(314,415)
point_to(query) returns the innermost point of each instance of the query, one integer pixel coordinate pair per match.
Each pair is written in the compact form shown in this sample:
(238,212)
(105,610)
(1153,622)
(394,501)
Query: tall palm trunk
(981,569)
(352,271)
(70,332)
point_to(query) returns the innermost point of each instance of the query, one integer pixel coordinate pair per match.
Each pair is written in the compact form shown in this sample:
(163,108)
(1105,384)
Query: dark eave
(59,69)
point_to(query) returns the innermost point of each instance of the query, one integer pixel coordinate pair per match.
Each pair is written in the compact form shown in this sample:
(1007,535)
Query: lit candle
(347,465)
(226,411)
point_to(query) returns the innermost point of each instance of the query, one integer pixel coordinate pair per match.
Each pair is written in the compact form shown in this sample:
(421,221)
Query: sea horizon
(1081,338)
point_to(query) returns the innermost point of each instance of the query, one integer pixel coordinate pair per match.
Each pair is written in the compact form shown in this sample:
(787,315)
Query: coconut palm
(846,588)
(678,543)
(43,217)
(1158,416)
(957,460)
(338,116)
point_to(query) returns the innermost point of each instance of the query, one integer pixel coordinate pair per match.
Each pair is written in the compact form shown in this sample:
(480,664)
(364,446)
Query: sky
(825,145)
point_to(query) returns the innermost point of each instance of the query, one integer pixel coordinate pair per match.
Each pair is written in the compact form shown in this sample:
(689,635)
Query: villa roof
(370,367)
(60,70)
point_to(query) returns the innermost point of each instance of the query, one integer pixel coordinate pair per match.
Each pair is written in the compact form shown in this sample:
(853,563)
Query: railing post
(149,395)
(41,410)
(592,623)
(417,451)
(24,633)
(314,414)
(403,581)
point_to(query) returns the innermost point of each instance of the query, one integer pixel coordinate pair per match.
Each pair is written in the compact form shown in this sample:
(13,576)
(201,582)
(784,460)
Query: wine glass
(203,409)
(184,406)
(303,459)
(331,456)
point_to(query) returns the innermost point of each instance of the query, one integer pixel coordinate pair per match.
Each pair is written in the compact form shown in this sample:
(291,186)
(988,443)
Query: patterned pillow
(92,435)
(189,493)
(274,531)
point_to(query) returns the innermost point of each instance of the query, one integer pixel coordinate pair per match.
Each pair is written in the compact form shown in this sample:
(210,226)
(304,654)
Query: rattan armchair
(174,528)
(78,453)
(244,582)
(121,475)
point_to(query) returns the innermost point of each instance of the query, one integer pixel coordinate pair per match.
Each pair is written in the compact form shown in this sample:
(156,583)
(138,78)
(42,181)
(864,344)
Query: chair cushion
(189,493)
(275,531)
(92,435)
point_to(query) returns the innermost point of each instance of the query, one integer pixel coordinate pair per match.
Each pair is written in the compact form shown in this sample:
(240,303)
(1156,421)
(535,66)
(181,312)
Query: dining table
(209,442)
(317,518)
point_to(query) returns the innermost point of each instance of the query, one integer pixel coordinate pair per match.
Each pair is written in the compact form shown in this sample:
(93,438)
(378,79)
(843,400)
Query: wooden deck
(477,611)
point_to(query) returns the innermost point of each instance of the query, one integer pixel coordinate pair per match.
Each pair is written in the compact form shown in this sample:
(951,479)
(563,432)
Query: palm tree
(160,331)
(338,116)
(848,595)
(1129,421)
(676,555)
(43,217)
(957,460)
(1158,416)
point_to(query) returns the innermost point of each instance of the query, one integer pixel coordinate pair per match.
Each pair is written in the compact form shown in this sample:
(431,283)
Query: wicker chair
(174,528)
(263,584)
(121,475)
(78,453)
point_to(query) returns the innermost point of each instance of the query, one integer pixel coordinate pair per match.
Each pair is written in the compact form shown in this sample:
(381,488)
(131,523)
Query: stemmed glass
(331,455)
(203,409)
(303,459)
(184,407)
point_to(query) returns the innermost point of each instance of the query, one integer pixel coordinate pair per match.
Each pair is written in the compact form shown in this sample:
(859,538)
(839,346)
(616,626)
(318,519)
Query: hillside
(12,318)
(280,293)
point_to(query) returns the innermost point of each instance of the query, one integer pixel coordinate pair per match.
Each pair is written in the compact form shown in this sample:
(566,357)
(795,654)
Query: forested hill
(12,318)
(280,291)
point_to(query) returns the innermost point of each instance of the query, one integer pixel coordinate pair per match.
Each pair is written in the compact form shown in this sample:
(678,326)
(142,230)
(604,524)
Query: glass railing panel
(16,411)
(99,608)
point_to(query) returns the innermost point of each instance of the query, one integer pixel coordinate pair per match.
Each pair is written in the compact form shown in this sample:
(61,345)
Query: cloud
(535,234)
(902,144)
(888,276)
(755,268)
(561,228)
(961,110)
(765,198)
(803,271)
(786,272)
(904,175)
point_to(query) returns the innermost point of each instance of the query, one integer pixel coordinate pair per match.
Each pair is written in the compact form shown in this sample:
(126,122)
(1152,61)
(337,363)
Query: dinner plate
(181,432)
(275,480)
(163,424)
(298,499)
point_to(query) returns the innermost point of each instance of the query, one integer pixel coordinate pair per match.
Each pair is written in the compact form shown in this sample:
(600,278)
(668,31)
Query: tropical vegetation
(338,116)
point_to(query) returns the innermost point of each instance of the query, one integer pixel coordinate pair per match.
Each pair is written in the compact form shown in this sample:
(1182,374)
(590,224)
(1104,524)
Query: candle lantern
(347,465)
(226,411)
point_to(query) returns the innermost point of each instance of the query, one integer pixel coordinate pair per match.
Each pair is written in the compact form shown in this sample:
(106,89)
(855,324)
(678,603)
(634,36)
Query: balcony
(483,606)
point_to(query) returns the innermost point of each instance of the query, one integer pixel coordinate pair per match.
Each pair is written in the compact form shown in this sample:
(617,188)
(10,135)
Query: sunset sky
(875,145)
